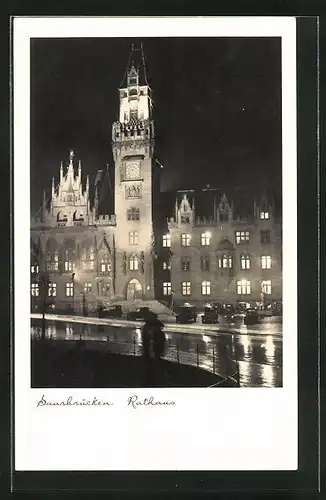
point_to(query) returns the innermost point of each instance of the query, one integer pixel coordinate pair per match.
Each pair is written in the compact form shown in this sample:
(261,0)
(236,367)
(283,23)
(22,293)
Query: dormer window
(185,219)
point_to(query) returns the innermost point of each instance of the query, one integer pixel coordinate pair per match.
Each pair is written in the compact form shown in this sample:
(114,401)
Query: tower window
(52,290)
(185,240)
(266,262)
(133,263)
(132,80)
(34,269)
(166,265)
(167,288)
(166,240)
(245,261)
(133,213)
(133,238)
(205,239)
(266,287)
(186,288)
(243,287)
(185,263)
(264,215)
(241,237)
(206,287)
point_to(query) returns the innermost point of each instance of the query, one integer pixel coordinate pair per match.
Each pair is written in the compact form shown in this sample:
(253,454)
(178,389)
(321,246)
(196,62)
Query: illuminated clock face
(132,170)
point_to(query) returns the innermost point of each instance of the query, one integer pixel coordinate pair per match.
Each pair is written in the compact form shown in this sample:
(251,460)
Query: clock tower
(135,184)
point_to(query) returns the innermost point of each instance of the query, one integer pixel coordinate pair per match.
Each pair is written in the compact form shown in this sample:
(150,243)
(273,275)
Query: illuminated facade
(80,257)
(222,258)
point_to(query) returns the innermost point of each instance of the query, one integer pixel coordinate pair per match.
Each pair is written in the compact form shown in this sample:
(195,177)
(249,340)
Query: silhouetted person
(153,334)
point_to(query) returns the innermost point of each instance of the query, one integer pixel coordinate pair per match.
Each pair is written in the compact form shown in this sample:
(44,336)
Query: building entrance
(134,290)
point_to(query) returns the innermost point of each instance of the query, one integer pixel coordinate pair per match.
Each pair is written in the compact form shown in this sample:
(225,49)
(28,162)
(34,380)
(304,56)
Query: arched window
(225,261)
(87,255)
(133,263)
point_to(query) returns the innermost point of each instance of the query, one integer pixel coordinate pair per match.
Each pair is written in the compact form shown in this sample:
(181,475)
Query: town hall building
(81,257)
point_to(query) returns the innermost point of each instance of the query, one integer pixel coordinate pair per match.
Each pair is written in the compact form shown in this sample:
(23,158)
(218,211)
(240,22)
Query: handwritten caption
(132,402)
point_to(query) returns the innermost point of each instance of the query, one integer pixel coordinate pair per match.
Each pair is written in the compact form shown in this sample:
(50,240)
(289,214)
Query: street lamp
(73,291)
(44,291)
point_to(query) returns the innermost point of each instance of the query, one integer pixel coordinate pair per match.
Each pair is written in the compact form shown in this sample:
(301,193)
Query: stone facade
(80,257)
(223,258)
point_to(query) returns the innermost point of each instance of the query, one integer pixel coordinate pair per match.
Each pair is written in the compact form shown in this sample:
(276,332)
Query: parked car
(251,317)
(210,315)
(186,314)
(277,309)
(112,312)
(139,314)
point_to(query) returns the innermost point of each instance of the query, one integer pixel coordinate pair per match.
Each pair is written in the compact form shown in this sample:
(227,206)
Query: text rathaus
(152,248)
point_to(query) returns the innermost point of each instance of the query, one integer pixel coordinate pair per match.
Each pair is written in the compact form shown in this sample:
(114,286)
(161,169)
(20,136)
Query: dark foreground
(71,364)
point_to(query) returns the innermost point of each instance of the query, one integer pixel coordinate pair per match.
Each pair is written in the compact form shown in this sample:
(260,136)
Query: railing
(211,359)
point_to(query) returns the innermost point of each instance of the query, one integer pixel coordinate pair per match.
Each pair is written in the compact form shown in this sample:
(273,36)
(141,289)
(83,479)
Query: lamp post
(44,291)
(73,291)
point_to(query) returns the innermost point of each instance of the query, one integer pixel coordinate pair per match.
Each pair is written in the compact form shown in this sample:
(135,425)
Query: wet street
(255,352)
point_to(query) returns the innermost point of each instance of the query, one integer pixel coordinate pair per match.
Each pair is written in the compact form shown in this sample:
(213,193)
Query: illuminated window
(205,239)
(264,215)
(245,261)
(34,269)
(133,263)
(266,287)
(35,290)
(133,213)
(241,237)
(87,258)
(88,287)
(243,287)
(133,238)
(185,239)
(265,237)
(52,290)
(166,240)
(186,288)
(206,287)
(167,288)
(105,265)
(69,289)
(204,263)
(266,262)
(225,261)
(166,265)
(185,263)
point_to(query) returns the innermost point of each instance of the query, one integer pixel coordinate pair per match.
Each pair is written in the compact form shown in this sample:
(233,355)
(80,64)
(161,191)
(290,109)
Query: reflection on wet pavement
(258,358)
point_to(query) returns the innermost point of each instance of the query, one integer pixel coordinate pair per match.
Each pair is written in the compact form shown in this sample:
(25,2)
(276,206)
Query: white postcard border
(227,429)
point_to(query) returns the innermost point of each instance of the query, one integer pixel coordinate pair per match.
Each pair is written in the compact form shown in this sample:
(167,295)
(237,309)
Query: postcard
(155,215)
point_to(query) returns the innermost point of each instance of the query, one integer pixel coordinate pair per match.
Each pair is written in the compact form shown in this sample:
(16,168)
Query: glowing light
(246,344)
(269,347)
(206,339)
(268,374)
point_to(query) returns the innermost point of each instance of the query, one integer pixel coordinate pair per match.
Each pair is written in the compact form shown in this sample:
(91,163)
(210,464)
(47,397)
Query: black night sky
(217,108)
